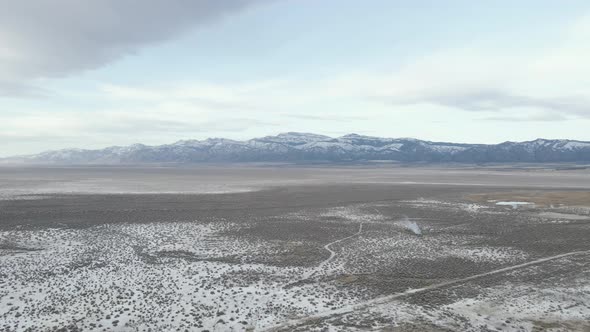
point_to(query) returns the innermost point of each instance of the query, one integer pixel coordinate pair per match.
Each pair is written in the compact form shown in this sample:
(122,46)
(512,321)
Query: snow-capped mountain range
(305,147)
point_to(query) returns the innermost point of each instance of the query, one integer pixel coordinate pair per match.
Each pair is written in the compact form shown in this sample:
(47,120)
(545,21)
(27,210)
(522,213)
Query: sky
(97,73)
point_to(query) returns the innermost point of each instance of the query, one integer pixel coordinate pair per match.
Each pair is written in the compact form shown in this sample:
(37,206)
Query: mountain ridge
(309,147)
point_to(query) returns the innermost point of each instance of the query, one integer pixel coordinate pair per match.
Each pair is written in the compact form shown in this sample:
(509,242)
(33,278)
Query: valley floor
(294,249)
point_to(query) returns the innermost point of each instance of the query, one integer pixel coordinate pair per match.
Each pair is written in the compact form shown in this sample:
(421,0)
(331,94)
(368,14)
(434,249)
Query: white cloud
(553,79)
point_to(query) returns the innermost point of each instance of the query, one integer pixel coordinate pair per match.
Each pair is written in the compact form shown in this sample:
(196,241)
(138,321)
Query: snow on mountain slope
(293,146)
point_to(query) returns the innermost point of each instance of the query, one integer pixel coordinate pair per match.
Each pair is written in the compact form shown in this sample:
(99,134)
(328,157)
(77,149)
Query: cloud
(143,126)
(20,89)
(200,95)
(57,38)
(478,78)
(535,117)
(117,122)
(329,117)
(497,100)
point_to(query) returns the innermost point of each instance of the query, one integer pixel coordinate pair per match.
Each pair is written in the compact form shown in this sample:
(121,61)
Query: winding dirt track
(385,299)
(332,252)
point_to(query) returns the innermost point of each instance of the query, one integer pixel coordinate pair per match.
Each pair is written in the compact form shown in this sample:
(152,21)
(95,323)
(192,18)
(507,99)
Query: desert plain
(295,248)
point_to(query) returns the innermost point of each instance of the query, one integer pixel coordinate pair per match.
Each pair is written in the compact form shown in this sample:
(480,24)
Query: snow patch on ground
(511,307)
(139,276)
(515,205)
(354,213)
(489,254)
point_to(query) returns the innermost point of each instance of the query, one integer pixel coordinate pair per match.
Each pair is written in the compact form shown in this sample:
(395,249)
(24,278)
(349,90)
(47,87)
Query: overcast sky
(96,73)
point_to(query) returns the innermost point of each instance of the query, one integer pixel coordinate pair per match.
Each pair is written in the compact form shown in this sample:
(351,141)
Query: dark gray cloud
(55,38)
